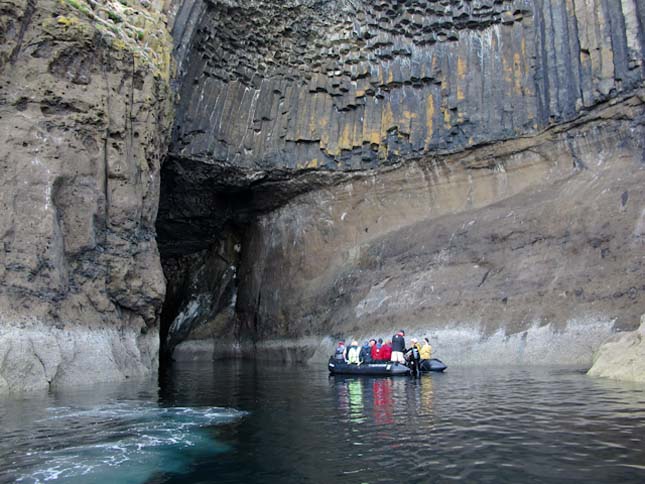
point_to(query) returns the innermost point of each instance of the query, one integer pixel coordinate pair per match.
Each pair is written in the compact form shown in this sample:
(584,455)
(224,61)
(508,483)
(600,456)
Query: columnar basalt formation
(358,84)
(272,89)
(85,112)
(410,159)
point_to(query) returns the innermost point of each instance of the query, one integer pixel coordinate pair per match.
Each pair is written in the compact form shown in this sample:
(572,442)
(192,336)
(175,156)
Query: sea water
(235,422)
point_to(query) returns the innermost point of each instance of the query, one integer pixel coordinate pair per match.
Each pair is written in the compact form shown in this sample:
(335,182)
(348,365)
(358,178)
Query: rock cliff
(85,112)
(466,169)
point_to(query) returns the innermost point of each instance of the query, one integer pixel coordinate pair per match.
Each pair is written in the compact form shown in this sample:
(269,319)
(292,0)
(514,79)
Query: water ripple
(119,441)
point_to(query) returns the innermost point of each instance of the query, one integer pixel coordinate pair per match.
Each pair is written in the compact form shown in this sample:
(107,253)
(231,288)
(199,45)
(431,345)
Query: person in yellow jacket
(353,354)
(425,351)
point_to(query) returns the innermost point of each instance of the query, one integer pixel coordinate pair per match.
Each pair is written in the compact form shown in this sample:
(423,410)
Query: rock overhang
(270,91)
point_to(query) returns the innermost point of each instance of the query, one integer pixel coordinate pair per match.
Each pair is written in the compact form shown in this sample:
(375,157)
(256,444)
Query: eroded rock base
(622,357)
(37,356)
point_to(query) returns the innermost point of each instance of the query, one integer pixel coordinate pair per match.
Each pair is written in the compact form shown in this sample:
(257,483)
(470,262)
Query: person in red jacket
(386,350)
(377,351)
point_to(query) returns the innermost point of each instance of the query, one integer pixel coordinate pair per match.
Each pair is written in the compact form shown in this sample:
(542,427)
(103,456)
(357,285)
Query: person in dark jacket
(398,347)
(413,358)
(366,352)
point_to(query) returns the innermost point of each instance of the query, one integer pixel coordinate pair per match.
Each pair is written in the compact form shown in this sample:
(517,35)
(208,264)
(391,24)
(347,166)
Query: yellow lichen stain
(405,121)
(313,163)
(382,152)
(66,21)
(371,135)
(446,118)
(429,120)
(345,141)
(387,120)
(517,75)
(118,44)
(461,75)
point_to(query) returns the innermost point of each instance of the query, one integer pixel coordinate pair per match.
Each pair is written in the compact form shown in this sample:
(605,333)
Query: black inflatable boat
(432,365)
(386,368)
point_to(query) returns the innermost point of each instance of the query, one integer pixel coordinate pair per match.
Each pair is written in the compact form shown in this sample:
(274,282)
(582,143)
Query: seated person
(377,353)
(339,353)
(353,354)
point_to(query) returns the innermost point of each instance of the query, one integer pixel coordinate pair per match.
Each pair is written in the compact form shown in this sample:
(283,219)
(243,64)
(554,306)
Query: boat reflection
(383,400)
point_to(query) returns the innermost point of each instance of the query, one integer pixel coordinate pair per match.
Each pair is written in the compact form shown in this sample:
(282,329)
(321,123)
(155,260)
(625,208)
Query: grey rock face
(353,149)
(83,127)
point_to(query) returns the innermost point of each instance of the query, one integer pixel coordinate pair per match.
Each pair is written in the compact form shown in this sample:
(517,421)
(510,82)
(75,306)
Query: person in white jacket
(353,353)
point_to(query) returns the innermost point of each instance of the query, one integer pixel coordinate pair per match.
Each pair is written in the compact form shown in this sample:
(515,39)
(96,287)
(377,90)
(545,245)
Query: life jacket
(386,352)
(339,355)
(353,355)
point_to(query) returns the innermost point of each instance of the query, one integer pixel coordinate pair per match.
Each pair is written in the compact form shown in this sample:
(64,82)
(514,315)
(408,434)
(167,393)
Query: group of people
(376,351)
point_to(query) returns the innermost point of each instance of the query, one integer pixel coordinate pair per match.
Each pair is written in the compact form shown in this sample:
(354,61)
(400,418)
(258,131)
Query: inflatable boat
(432,365)
(385,368)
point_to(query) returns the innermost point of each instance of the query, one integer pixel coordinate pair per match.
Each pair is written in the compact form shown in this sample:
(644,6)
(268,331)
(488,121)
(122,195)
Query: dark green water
(236,422)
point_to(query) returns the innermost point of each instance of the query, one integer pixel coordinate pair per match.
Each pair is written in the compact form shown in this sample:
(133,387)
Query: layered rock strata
(85,111)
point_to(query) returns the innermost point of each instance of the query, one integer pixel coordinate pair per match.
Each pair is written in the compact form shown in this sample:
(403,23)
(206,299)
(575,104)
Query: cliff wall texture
(85,111)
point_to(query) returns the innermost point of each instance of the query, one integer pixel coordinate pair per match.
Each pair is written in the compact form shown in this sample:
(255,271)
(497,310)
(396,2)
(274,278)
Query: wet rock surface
(84,119)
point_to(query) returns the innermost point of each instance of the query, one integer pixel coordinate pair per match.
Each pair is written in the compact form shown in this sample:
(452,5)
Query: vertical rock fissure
(106,137)
(24,25)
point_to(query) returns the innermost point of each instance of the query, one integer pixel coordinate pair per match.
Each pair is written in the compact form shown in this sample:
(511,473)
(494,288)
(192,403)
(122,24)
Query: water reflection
(383,403)
(381,398)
